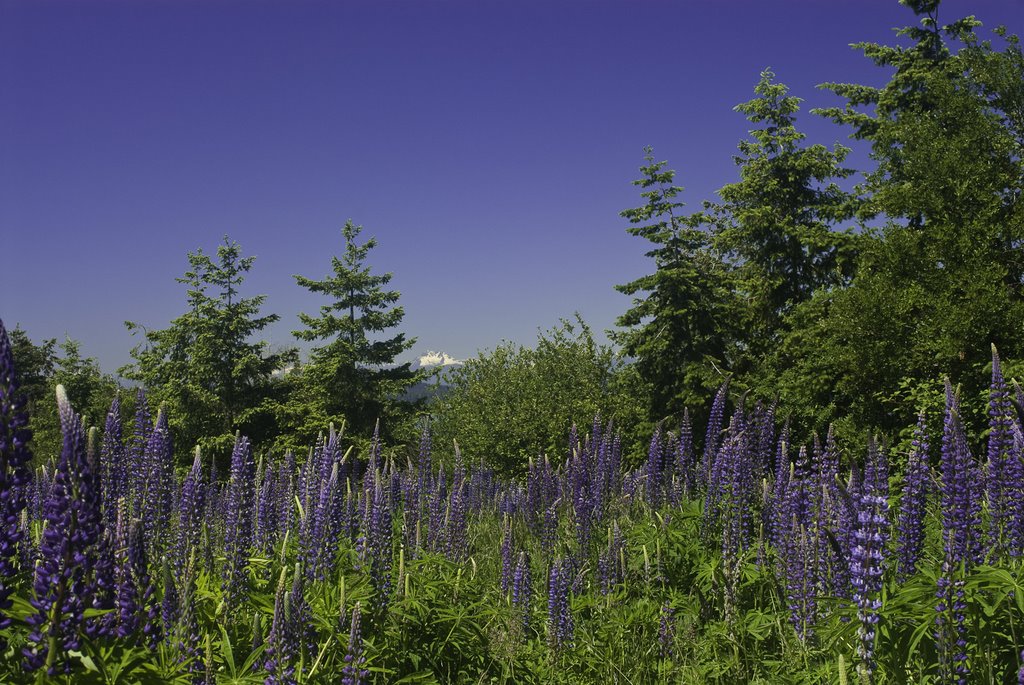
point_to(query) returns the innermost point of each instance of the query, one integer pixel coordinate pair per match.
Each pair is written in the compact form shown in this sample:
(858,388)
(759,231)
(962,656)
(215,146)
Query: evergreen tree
(205,366)
(680,328)
(353,376)
(941,277)
(775,223)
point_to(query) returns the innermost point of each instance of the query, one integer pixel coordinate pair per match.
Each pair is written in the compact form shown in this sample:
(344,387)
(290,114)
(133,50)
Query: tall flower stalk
(867,556)
(960,492)
(14,473)
(67,551)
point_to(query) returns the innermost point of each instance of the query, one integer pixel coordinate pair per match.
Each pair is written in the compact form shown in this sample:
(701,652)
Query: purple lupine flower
(799,544)
(867,556)
(436,514)
(584,492)
(1016,522)
(379,546)
(610,569)
(423,465)
(712,437)
(301,618)
(522,589)
(1004,486)
(191,510)
(560,622)
(158,487)
(667,631)
(319,532)
(136,594)
(549,532)
(835,580)
(765,438)
(613,469)
(456,535)
(135,478)
(778,516)
(103,588)
(282,643)
(14,472)
(185,634)
(67,551)
(286,494)
(507,552)
(292,638)
(726,473)
(684,465)
(353,672)
(910,525)
(736,492)
(653,471)
(238,523)
(960,492)
(960,489)
(267,509)
(170,604)
(114,465)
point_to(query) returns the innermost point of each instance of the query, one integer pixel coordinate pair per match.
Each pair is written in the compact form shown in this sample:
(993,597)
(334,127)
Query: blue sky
(488,146)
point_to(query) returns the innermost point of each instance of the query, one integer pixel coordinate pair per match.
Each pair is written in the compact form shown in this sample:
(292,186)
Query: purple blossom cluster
(354,672)
(961,493)
(1005,470)
(238,523)
(561,626)
(14,473)
(67,551)
(868,555)
(910,525)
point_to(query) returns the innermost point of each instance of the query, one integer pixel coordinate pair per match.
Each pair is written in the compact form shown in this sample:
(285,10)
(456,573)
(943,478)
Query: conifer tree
(205,366)
(775,223)
(678,328)
(353,375)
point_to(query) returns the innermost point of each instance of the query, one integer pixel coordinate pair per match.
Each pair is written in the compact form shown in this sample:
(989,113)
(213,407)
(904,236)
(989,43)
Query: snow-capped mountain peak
(432,359)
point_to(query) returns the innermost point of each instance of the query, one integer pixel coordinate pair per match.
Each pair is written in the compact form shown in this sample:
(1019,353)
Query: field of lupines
(736,558)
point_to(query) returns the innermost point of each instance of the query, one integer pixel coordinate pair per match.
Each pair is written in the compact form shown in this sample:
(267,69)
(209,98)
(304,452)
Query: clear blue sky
(489,146)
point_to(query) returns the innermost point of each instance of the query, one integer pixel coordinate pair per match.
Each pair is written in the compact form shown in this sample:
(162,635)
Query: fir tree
(205,365)
(353,375)
(678,327)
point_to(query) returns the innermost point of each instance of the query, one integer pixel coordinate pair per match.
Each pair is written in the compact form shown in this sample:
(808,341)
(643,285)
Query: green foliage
(353,376)
(204,366)
(514,403)
(41,367)
(775,223)
(944,270)
(682,326)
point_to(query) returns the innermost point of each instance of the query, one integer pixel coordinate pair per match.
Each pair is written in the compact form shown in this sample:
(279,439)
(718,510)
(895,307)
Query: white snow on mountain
(433,359)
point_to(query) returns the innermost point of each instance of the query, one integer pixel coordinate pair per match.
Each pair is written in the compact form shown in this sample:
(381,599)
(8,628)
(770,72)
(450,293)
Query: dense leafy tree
(514,403)
(205,365)
(44,365)
(353,376)
(682,325)
(942,274)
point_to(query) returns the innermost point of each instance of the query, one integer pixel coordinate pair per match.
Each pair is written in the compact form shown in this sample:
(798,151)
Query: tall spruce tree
(353,376)
(205,366)
(679,329)
(776,222)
